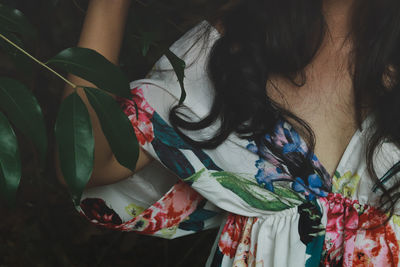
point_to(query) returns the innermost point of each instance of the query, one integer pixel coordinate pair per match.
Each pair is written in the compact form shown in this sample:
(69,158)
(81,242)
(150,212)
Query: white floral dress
(266,215)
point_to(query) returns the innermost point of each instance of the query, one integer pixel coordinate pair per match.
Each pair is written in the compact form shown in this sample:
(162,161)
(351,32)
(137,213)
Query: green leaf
(12,20)
(195,176)
(287,193)
(254,200)
(146,40)
(93,67)
(315,249)
(179,67)
(116,127)
(75,140)
(253,194)
(21,61)
(10,164)
(24,112)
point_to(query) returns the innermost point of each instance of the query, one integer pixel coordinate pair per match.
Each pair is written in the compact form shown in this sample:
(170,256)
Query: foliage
(74,133)
(42,228)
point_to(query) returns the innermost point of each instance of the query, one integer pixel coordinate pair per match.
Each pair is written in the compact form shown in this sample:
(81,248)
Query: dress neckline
(291,162)
(350,146)
(347,151)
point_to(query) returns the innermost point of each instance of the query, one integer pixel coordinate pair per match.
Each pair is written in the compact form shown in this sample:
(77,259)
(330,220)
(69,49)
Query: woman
(276,85)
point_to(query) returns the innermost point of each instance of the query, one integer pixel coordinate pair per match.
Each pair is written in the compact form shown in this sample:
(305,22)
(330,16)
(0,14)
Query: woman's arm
(102,31)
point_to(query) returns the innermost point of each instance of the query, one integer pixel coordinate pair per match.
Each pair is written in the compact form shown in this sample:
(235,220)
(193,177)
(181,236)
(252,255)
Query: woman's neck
(337,15)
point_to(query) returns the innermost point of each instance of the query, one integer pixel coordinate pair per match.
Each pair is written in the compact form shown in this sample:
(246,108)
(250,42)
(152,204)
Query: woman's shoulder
(192,49)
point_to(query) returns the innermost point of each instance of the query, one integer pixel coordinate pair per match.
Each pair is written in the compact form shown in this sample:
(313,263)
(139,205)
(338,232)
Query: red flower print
(357,235)
(95,209)
(376,243)
(173,208)
(231,234)
(141,122)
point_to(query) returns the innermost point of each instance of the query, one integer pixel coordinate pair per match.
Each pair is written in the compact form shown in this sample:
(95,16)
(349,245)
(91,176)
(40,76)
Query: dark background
(44,229)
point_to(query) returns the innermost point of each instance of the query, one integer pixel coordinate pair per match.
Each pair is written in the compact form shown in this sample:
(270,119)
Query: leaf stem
(78,6)
(141,3)
(38,61)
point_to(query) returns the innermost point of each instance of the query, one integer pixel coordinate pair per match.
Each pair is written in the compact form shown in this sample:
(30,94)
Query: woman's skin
(325,102)
(103,31)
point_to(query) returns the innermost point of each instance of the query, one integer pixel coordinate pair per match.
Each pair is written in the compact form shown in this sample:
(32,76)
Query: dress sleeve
(157,200)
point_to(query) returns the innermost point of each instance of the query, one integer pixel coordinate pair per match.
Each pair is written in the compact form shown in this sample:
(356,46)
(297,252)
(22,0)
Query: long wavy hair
(267,37)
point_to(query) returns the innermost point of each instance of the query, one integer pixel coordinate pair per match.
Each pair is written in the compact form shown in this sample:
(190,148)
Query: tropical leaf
(195,221)
(201,215)
(253,194)
(169,136)
(21,61)
(195,176)
(10,164)
(172,139)
(93,67)
(147,39)
(179,67)
(250,197)
(24,112)
(315,249)
(75,141)
(173,159)
(287,193)
(116,127)
(13,21)
(233,176)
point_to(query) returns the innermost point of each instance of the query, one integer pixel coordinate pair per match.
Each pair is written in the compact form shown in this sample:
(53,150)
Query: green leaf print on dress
(256,196)
(251,192)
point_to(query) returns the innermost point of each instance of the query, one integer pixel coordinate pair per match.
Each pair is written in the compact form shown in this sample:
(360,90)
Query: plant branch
(78,6)
(37,61)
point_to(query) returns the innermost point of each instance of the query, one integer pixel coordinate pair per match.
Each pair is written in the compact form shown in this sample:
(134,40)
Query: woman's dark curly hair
(267,37)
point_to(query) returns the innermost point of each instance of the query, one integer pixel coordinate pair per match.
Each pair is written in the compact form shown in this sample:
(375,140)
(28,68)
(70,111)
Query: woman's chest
(326,104)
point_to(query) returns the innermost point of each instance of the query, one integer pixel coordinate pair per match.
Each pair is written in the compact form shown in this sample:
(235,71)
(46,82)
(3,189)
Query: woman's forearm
(104,27)
(102,31)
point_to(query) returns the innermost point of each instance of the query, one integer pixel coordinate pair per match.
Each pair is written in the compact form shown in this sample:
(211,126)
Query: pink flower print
(172,209)
(341,228)
(141,122)
(357,235)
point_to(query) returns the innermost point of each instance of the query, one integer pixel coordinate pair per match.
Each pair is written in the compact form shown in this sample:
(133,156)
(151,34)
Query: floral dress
(266,215)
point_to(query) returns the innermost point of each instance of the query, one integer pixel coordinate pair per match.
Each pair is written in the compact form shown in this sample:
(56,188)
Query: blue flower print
(294,143)
(252,147)
(268,174)
(288,148)
(284,145)
(268,138)
(313,189)
(265,179)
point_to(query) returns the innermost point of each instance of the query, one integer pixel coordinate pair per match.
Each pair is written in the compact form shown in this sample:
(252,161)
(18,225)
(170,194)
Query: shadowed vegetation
(44,229)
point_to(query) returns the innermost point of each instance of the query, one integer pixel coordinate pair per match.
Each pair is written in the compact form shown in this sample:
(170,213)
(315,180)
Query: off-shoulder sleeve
(157,200)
